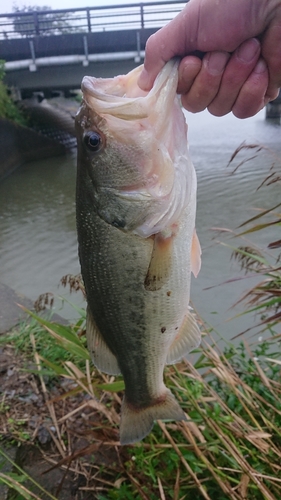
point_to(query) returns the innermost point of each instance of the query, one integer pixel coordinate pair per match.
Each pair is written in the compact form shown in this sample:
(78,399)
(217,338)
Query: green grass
(67,347)
(230,447)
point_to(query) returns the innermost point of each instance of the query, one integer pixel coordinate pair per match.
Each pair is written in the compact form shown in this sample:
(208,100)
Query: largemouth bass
(136,204)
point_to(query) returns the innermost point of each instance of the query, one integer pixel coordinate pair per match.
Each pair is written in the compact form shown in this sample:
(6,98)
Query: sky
(6,6)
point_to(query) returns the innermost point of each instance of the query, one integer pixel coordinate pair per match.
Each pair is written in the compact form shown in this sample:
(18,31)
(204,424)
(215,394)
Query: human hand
(238,72)
(223,82)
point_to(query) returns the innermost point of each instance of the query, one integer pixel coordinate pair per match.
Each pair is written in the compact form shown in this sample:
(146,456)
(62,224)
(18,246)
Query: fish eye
(93,141)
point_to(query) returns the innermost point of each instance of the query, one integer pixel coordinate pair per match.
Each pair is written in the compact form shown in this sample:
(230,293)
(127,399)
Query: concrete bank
(19,145)
(10,312)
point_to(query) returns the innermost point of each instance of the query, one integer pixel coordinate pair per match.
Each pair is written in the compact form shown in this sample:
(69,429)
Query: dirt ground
(63,438)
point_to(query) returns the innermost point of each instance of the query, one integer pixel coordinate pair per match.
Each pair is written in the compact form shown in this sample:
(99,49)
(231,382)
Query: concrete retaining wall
(19,145)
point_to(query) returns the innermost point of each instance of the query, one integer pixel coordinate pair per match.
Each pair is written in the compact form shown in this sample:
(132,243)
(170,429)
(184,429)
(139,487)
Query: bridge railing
(87,20)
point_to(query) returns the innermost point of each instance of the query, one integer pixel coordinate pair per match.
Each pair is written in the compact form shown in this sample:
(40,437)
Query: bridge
(52,50)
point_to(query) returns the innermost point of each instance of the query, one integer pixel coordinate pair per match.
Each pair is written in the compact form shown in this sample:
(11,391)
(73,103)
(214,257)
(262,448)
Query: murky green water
(37,215)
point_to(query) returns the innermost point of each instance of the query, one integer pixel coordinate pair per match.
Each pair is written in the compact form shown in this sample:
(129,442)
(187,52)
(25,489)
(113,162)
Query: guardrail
(88,20)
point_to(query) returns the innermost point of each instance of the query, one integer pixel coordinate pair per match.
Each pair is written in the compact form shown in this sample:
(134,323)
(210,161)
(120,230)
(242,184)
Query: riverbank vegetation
(8,108)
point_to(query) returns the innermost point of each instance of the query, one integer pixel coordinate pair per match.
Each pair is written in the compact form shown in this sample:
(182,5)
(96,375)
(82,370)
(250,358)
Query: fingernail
(216,62)
(248,50)
(260,67)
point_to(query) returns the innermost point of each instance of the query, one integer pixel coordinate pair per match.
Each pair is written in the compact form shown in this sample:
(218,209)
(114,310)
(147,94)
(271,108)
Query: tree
(37,22)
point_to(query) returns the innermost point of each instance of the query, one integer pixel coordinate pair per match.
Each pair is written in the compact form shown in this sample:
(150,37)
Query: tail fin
(137,423)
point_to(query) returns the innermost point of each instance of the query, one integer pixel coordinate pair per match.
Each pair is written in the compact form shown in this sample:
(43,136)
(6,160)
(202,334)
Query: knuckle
(191,104)
(217,110)
(247,107)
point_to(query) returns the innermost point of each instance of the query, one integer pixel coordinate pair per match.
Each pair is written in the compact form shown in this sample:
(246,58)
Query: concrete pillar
(273,108)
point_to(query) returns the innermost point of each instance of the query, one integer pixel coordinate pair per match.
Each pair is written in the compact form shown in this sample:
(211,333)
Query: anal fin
(101,355)
(188,338)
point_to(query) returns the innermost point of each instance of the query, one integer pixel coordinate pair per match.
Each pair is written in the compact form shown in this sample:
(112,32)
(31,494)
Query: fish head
(132,145)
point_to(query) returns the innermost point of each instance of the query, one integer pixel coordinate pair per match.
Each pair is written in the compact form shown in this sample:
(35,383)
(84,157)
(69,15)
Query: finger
(192,30)
(239,67)
(158,52)
(153,63)
(188,70)
(251,98)
(177,38)
(271,52)
(207,82)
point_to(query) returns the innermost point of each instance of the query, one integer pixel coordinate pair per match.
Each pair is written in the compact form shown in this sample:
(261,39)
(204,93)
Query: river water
(37,217)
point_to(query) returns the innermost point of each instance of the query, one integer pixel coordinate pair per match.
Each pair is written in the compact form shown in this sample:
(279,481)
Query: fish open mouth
(122,97)
(111,89)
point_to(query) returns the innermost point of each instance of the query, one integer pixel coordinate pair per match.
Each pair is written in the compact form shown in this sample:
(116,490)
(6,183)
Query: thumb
(155,59)
(168,42)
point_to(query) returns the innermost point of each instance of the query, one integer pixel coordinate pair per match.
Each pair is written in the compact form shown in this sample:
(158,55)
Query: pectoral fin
(195,255)
(160,264)
(101,355)
(188,338)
